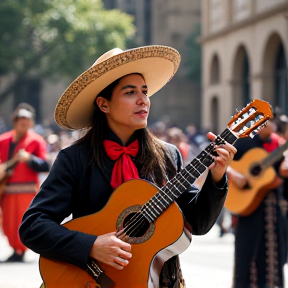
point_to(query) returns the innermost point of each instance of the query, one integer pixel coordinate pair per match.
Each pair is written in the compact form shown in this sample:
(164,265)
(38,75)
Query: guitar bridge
(99,275)
(93,269)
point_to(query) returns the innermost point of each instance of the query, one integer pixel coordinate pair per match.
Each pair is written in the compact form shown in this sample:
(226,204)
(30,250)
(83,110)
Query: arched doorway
(275,72)
(281,80)
(215,70)
(241,81)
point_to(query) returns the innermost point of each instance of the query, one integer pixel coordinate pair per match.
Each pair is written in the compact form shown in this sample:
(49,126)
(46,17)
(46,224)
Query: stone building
(245,52)
(168,22)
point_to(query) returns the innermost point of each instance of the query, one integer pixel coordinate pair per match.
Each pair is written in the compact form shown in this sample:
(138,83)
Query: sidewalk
(207,263)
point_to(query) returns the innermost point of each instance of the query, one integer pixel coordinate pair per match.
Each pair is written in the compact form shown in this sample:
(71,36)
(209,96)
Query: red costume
(23,184)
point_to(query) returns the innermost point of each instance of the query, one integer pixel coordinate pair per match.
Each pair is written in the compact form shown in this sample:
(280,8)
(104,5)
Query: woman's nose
(143,100)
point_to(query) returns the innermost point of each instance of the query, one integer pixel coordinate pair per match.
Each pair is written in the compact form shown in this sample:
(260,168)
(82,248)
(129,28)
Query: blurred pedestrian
(22,156)
(177,137)
(53,147)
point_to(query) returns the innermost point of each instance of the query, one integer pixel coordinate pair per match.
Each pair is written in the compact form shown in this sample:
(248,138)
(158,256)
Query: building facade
(245,53)
(170,23)
(162,22)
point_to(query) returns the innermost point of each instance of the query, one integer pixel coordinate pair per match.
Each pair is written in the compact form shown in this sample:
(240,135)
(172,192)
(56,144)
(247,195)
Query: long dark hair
(153,156)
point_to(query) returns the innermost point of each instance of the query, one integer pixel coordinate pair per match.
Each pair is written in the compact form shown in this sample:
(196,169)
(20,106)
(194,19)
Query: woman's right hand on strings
(111,250)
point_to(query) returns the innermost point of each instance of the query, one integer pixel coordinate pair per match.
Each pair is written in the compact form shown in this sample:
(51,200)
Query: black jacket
(75,186)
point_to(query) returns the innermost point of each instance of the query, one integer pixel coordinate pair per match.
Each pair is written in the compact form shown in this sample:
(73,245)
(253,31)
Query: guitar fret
(174,185)
(168,197)
(180,183)
(191,175)
(162,204)
(153,203)
(195,169)
(173,194)
(177,189)
(145,213)
(164,197)
(201,164)
(180,174)
(151,210)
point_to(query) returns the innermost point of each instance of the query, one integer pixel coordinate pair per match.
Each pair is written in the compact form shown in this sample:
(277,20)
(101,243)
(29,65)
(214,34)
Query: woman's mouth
(142,113)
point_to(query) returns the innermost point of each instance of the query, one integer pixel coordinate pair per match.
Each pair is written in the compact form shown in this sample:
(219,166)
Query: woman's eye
(145,92)
(129,92)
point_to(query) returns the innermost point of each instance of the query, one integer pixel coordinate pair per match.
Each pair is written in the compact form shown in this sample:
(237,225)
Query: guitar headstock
(248,121)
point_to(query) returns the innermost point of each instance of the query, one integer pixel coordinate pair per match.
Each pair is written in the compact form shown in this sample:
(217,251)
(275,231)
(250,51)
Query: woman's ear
(102,103)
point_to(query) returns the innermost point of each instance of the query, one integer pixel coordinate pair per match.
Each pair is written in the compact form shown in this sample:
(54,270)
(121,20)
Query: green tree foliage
(46,38)
(193,58)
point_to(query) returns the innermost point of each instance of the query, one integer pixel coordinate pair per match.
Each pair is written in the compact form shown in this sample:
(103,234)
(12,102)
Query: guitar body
(244,201)
(3,180)
(167,237)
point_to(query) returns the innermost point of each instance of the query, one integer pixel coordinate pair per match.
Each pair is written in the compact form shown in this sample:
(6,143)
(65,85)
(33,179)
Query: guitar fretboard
(274,156)
(157,204)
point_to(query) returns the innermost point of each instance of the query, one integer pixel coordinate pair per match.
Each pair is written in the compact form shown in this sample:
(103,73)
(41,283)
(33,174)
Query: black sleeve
(40,230)
(202,208)
(37,164)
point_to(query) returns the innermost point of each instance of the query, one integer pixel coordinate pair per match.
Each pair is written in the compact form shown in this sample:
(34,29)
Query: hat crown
(107,55)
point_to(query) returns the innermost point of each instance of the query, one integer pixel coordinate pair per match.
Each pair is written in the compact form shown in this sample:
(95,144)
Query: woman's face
(129,106)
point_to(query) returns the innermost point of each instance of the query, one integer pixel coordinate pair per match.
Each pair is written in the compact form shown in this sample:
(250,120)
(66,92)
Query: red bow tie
(124,168)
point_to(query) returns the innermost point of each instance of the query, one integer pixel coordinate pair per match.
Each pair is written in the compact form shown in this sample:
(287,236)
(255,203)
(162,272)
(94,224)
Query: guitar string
(139,218)
(142,217)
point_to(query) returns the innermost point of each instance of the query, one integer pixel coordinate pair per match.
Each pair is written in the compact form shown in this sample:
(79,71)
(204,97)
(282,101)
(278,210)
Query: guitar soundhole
(256,170)
(135,226)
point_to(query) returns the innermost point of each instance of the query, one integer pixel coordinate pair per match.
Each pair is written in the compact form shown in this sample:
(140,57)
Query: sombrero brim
(156,63)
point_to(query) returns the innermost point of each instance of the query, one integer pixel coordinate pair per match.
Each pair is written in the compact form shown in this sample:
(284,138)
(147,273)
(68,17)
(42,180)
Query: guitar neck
(184,179)
(274,156)
(11,163)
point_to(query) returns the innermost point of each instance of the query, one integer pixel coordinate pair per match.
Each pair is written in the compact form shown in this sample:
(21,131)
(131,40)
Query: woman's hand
(225,153)
(111,250)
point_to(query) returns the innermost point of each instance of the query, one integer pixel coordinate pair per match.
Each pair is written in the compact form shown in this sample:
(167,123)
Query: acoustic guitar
(256,166)
(7,166)
(148,218)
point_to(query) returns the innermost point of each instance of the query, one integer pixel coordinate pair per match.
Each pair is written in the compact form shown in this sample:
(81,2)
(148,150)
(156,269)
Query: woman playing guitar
(112,101)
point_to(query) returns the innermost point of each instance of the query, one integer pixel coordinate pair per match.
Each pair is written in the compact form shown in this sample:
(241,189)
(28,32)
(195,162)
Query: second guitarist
(260,238)
(22,156)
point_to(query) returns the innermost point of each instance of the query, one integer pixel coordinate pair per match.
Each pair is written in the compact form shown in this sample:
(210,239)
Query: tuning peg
(253,133)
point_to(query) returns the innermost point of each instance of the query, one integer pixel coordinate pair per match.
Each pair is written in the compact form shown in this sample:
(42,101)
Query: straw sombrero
(156,63)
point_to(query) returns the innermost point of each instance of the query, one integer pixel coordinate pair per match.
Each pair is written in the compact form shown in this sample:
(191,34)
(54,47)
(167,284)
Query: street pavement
(207,263)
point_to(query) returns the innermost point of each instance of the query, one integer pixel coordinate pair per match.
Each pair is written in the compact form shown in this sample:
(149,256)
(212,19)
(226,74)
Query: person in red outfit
(22,157)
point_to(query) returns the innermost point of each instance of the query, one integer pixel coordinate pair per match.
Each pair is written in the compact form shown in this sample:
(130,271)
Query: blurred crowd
(190,140)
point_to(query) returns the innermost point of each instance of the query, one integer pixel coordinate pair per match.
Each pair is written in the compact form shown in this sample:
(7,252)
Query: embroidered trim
(271,240)
(15,188)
